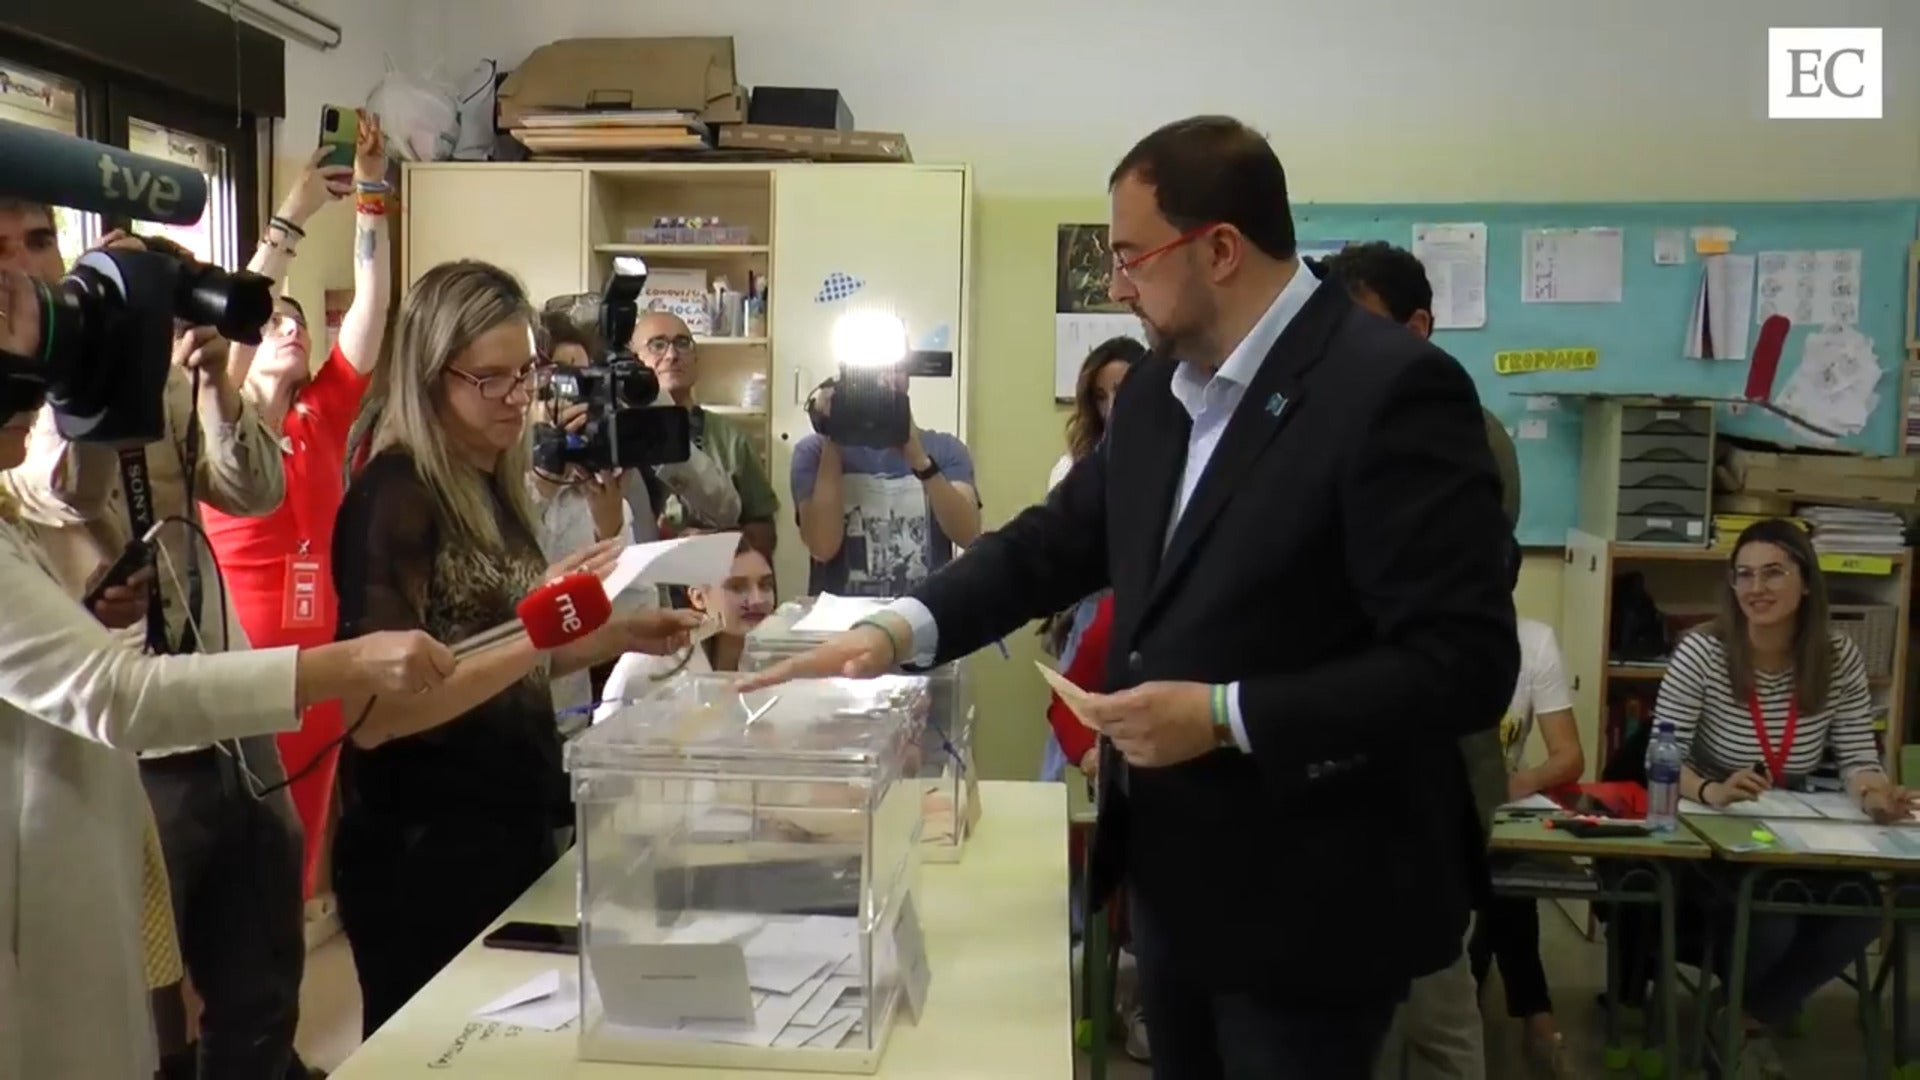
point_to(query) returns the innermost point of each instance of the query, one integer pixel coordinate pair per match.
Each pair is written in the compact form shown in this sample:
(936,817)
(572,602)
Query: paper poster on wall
(1571,266)
(1669,247)
(1836,385)
(1811,288)
(1722,309)
(1533,361)
(1455,257)
(1083,314)
(837,286)
(1531,430)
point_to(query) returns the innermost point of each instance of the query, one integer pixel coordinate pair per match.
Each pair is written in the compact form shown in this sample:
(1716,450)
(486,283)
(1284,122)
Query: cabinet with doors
(826,239)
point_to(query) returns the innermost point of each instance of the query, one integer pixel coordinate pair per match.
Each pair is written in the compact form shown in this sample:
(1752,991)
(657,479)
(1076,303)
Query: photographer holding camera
(878,519)
(242,935)
(663,342)
(582,505)
(75,700)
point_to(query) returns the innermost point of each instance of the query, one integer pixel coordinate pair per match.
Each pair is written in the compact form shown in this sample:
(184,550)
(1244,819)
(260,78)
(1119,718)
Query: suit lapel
(1270,402)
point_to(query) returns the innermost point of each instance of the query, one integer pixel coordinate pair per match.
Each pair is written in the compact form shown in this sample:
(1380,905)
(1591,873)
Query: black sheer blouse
(398,566)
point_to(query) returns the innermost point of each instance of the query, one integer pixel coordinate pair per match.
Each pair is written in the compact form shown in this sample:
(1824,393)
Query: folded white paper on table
(548,1001)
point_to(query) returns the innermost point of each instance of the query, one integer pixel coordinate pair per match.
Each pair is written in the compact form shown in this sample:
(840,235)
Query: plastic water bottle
(1663,779)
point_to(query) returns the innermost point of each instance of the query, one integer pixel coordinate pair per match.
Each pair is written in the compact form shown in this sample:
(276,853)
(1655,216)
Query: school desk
(1632,870)
(996,936)
(1832,869)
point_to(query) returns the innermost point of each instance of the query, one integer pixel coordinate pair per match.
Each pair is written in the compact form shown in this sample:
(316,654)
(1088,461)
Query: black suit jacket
(1344,558)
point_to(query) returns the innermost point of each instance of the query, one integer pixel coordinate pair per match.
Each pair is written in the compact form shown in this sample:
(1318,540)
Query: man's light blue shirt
(1210,401)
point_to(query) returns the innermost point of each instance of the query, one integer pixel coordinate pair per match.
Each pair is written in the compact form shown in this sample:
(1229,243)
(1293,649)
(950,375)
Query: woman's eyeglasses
(1765,577)
(499,387)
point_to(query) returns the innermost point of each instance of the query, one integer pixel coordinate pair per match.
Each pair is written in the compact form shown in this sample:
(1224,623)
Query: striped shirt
(1715,727)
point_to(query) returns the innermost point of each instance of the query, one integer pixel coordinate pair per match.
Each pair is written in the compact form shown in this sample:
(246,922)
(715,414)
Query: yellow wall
(1015,433)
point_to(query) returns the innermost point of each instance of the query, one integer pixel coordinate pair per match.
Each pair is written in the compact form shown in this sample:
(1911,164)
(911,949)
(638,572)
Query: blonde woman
(452,800)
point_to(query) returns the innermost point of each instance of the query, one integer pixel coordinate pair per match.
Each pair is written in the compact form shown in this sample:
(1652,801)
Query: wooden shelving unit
(623,199)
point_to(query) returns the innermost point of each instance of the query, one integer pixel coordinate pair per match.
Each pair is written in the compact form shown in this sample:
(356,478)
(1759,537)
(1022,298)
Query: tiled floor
(1831,1049)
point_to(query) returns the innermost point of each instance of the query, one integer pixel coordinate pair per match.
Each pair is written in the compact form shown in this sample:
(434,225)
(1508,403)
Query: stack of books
(625,133)
(1728,527)
(1856,529)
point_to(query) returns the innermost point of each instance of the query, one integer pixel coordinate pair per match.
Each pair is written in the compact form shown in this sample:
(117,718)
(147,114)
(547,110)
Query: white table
(996,932)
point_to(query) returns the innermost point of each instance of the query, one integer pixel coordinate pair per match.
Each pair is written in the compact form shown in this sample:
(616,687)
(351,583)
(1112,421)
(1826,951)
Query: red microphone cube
(564,610)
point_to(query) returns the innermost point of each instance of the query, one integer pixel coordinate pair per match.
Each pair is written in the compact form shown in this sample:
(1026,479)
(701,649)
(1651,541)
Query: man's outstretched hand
(868,650)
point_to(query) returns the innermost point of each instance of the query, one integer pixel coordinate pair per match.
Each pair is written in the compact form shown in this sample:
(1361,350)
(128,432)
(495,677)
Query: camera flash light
(869,339)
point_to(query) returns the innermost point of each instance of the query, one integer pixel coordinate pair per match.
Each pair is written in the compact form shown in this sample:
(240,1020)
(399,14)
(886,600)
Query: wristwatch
(932,470)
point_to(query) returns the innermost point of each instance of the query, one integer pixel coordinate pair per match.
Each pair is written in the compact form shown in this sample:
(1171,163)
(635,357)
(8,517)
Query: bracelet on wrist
(286,225)
(378,186)
(1222,716)
(893,643)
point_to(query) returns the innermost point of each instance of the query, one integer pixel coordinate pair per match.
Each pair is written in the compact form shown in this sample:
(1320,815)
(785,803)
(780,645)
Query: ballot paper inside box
(950,793)
(747,871)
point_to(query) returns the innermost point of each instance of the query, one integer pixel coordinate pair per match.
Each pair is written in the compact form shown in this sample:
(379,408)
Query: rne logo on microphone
(1824,74)
(570,621)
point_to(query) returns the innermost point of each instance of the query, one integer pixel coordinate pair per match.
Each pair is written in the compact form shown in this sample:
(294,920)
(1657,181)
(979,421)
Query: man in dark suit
(1300,520)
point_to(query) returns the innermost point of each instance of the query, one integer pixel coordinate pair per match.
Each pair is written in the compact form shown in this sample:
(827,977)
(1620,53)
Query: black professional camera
(107,330)
(870,404)
(624,428)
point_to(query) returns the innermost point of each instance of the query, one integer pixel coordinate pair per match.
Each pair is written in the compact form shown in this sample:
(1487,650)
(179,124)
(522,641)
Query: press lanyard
(1775,765)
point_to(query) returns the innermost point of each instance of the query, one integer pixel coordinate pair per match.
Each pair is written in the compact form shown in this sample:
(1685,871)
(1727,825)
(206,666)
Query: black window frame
(176,63)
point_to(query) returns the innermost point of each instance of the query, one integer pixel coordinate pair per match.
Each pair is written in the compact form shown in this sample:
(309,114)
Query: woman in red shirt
(276,566)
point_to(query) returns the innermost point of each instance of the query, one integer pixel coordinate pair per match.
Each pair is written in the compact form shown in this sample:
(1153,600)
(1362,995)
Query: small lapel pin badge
(1276,404)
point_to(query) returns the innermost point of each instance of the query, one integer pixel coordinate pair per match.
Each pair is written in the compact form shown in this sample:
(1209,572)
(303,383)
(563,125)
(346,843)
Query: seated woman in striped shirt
(1757,697)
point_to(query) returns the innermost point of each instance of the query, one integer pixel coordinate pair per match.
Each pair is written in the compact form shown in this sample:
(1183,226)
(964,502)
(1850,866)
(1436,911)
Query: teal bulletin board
(1641,339)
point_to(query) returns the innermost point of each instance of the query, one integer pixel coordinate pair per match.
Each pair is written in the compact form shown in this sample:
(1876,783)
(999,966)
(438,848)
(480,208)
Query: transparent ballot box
(949,789)
(747,871)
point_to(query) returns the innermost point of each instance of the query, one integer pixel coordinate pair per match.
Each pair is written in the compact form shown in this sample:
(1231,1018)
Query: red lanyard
(1775,765)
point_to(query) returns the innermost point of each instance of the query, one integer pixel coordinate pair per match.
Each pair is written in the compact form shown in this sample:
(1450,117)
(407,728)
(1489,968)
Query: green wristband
(1222,716)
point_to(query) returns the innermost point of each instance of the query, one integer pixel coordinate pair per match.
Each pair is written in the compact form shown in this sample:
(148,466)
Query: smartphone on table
(339,132)
(558,938)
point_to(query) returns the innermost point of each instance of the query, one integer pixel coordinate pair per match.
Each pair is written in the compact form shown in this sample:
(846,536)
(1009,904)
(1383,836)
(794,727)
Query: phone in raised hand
(339,132)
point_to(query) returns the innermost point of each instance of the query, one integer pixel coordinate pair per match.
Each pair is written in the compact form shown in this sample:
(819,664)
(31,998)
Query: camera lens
(237,305)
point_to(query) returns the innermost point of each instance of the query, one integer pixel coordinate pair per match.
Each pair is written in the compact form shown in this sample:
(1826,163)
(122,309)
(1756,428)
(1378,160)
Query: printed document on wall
(1571,266)
(1836,385)
(1722,309)
(1811,288)
(1456,260)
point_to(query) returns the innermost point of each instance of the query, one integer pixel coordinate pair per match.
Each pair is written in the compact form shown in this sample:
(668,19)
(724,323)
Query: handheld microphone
(560,612)
(63,170)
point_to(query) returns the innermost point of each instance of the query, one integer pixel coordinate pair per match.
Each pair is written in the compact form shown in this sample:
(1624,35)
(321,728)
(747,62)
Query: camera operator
(75,699)
(620,503)
(664,343)
(877,522)
(242,935)
(311,410)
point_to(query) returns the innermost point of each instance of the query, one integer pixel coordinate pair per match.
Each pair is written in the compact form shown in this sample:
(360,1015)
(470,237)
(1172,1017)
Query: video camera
(870,405)
(107,330)
(625,428)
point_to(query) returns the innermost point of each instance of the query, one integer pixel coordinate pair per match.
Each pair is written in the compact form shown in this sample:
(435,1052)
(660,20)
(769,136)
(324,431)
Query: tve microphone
(555,614)
(47,166)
